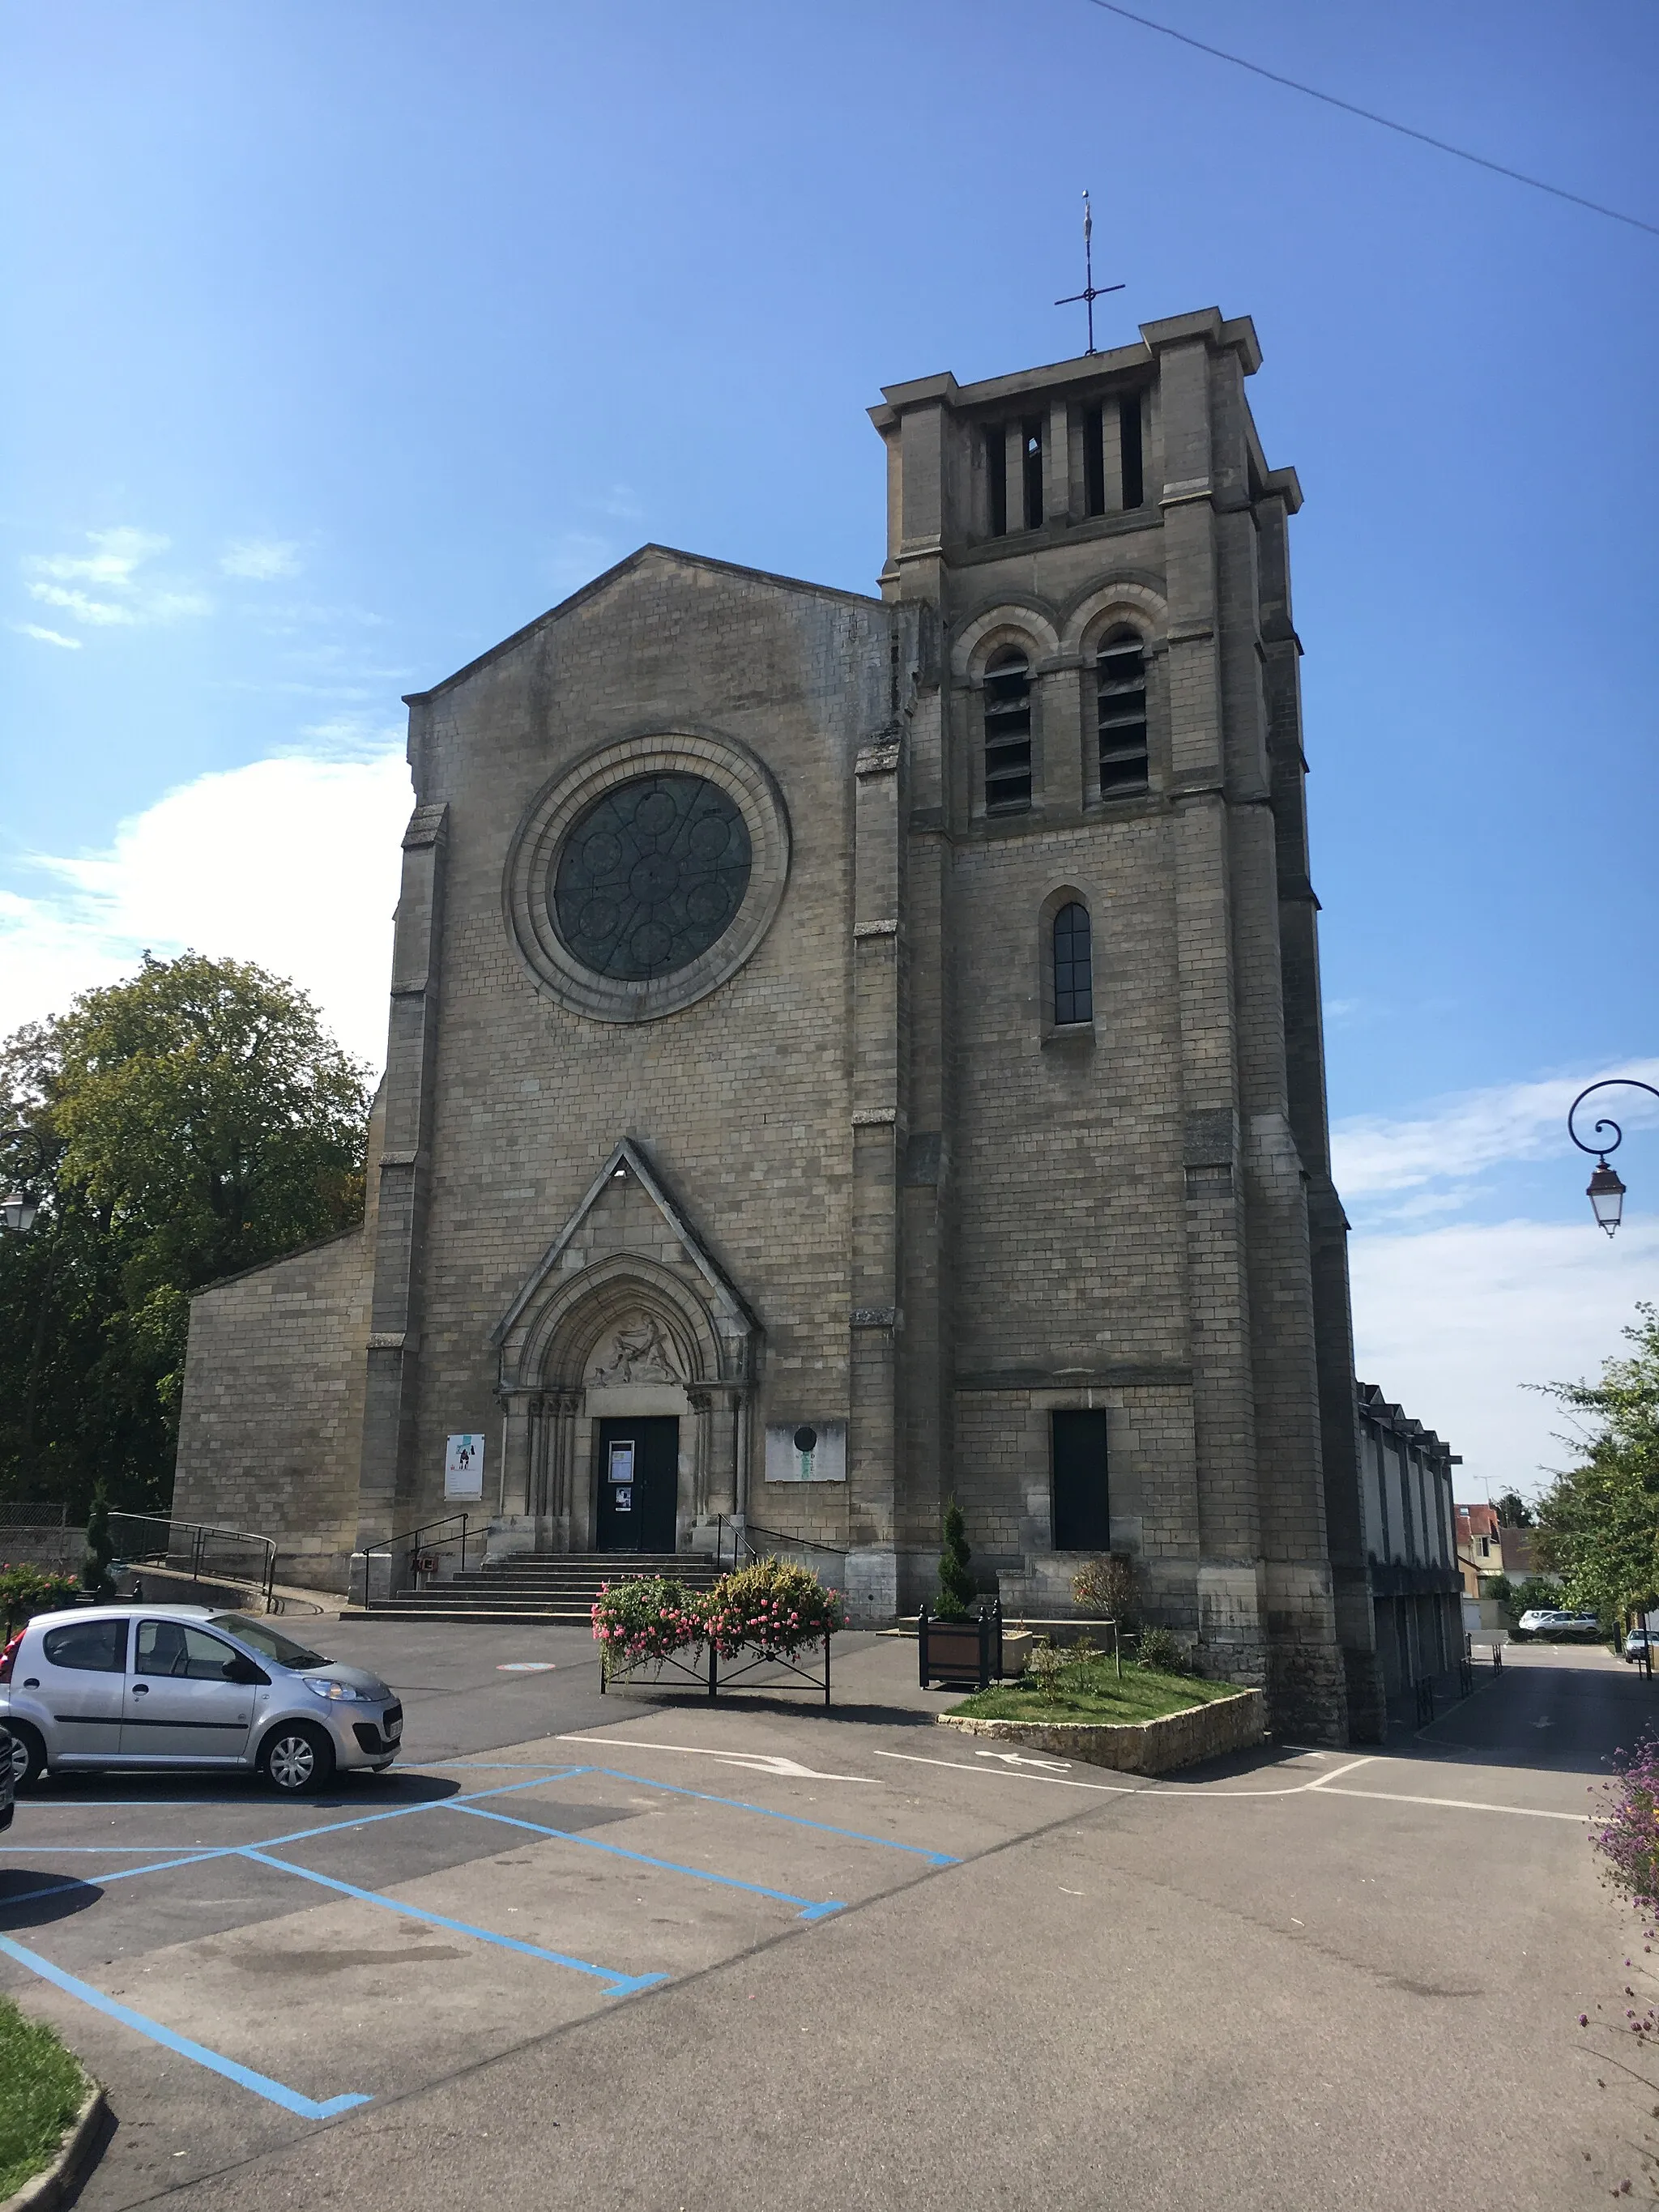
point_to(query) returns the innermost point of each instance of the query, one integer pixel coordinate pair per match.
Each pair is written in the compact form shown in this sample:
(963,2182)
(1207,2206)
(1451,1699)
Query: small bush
(956,1585)
(1159,1653)
(649,1617)
(1107,1586)
(1046,1670)
(101,1545)
(773,1607)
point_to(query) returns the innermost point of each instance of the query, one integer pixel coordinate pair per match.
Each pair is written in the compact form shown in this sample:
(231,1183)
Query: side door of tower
(1082,1515)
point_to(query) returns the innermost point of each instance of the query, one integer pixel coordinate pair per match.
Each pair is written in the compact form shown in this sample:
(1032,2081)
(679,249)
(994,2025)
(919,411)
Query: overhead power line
(1369,115)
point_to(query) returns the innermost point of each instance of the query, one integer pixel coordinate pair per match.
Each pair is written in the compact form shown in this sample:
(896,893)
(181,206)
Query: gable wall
(741,1102)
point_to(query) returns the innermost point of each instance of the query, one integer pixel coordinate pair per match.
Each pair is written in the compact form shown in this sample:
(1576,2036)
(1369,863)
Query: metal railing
(432,1553)
(741,1536)
(199,1551)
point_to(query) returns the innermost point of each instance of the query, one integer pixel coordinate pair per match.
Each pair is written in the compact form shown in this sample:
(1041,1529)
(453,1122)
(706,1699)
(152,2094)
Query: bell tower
(1113,1013)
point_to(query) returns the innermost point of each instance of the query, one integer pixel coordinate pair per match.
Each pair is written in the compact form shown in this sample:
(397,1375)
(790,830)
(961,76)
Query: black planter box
(960,1654)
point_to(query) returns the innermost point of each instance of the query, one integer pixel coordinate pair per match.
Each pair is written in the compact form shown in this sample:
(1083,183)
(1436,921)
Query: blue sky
(342,341)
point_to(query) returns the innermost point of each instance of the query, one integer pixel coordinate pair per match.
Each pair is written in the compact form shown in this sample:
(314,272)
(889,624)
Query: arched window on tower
(1121,677)
(1008,729)
(1074,967)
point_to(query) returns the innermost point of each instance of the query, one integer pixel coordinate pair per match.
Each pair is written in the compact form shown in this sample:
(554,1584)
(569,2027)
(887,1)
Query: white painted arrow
(1018,1759)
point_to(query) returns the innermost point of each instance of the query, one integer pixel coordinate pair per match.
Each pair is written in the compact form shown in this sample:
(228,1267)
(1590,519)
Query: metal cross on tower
(1090,291)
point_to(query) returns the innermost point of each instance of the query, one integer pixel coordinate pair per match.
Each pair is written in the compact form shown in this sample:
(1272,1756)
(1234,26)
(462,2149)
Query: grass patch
(1090,1691)
(41,2090)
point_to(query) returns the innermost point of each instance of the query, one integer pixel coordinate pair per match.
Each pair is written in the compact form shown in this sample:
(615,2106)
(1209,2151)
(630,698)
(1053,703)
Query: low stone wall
(1139,1746)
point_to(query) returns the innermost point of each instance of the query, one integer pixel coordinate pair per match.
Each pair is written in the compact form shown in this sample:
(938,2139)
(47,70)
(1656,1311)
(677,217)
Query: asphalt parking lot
(659,1951)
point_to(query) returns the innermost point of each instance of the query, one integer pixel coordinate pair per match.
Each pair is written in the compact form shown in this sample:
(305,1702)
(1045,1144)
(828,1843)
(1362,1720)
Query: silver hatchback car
(176,1685)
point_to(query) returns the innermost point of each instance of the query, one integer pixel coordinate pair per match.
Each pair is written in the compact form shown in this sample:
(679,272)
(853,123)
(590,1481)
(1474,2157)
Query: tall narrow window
(1008,729)
(1031,448)
(1074,967)
(1094,460)
(1128,431)
(1120,673)
(1083,1519)
(996,476)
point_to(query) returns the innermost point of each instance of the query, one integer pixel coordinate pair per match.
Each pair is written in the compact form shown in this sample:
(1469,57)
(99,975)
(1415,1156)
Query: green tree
(1513,1511)
(1599,1521)
(191,1122)
(956,1585)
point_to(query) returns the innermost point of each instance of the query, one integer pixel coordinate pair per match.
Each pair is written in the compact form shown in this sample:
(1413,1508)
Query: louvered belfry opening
(1008,729)
(1120,671)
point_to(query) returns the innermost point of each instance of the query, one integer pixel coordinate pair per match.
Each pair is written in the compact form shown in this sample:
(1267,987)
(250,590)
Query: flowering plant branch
(648,1617)
(773,1607)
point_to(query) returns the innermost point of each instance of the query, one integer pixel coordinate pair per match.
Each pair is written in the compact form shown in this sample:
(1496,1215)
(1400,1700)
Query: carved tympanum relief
(638,1351)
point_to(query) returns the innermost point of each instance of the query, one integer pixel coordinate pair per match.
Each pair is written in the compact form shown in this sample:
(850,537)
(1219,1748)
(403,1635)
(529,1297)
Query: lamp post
(1605,1191)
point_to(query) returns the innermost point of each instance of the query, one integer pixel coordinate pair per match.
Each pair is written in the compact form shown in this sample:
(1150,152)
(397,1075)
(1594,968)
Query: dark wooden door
(1082,1520)
(638,1465)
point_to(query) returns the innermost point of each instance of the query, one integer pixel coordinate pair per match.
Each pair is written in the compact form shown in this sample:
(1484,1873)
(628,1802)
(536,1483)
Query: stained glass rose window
(650,876)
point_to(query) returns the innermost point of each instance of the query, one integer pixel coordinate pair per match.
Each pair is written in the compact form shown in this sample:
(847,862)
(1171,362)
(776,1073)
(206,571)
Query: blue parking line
(810,1910)
(795,1820)
(618,1985)
(275,2093)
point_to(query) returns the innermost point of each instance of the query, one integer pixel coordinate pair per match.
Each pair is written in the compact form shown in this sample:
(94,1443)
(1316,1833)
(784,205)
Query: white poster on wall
(806,1451)
(464,1458)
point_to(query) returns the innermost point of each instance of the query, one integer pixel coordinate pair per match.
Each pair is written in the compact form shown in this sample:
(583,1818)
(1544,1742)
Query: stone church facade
(847,1051)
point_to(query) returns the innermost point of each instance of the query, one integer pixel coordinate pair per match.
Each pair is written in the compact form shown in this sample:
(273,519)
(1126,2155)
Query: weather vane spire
(1090,291)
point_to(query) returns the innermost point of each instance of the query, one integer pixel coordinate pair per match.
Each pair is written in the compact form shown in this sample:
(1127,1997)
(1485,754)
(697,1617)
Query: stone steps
(553,1588)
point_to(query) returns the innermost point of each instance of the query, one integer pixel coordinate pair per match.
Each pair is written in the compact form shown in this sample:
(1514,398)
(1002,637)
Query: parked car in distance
(180,1686)
(1548,1620)
(1637,1644)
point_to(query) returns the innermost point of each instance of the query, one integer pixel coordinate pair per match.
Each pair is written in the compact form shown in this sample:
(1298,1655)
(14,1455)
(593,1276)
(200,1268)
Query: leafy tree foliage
(1513,1511)
(1599,1523)
(191,1122)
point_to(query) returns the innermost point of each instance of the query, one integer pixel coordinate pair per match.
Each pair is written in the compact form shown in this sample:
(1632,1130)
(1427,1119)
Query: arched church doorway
(638,1463)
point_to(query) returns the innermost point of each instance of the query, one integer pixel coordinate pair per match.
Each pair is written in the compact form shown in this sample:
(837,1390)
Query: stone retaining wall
(1139,1746)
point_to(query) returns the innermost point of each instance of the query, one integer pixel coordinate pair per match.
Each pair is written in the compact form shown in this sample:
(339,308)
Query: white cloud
(291,862)
(1457,1138)
(1451,1322)
(48,636)
(260,558)
(105,588)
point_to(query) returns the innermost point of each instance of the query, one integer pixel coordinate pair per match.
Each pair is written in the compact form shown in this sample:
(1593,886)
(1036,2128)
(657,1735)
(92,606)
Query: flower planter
(959,1655)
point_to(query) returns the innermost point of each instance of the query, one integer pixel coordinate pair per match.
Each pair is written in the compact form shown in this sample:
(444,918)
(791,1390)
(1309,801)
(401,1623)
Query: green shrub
(956,1585)
(27,1591)
(1159,1653)
(773,1607)
(101,1545)
(1046,1670)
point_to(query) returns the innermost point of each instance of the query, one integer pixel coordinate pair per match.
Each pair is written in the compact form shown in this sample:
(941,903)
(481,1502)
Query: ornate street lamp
(1605,1191)
(17,1210)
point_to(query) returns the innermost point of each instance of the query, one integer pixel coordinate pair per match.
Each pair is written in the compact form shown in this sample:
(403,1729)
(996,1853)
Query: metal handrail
(199,1535)
(425,1536)
(798,1543)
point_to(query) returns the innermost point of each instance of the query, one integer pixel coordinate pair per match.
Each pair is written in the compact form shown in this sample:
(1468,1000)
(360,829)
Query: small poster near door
(621,1463)
(464,1458)
(622,1501)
